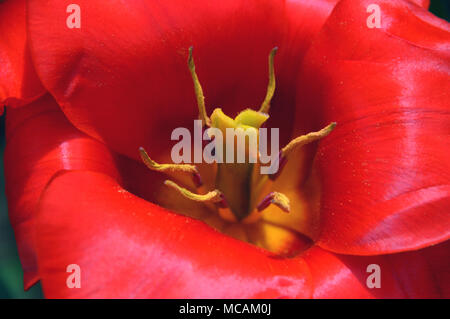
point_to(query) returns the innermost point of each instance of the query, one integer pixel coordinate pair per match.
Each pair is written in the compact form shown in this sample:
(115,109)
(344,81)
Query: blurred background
(11,283)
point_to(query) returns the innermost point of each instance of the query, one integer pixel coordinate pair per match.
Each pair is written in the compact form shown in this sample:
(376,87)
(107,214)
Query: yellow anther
(276,198)
(308,138)
(265,106)
(151,164)
(198,91)
(214,196)
(183,168)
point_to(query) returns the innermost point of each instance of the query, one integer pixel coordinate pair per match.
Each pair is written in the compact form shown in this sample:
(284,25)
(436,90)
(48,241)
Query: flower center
(242,193)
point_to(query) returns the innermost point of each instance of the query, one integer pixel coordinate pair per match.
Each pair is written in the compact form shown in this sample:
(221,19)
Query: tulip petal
(127,247)
(125,68)
(385,170)
(19,83)
(40,142)
(416,274)
(423,3)
(386,162)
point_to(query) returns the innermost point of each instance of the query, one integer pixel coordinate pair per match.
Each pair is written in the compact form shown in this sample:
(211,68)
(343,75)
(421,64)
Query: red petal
(85,217)
(385,169)
(417,274)
(125,69)
(127,247)
(423,3)
(19,83)
(40,142)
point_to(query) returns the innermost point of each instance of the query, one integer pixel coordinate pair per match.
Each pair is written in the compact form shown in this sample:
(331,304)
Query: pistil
(240,186)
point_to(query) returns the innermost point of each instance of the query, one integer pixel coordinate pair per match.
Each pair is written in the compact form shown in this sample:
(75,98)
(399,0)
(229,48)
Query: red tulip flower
(80,101)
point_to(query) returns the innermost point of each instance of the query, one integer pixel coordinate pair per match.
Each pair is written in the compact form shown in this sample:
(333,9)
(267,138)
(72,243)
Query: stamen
(234,204)
(184,168)
(265,106)
(278,199)
(214,196)
(308,138)
(198,91)
(297,142)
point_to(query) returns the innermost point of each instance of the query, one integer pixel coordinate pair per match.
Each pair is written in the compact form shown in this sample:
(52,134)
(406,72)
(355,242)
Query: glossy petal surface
(19,83)
(385,169)
(133,248)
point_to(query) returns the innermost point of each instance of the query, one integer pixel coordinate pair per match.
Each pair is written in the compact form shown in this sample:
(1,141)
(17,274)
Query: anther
(184,168)
(278,199)
(307,138)
(198,90)
(265,106)
(214,196)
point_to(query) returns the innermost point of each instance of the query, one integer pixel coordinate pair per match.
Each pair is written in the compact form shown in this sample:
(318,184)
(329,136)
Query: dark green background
(11,283)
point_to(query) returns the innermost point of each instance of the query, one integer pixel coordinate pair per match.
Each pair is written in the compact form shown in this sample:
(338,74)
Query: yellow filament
(265,106)
(198,90)
(151,164)
(214,196)
(280,200)
(308,138)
